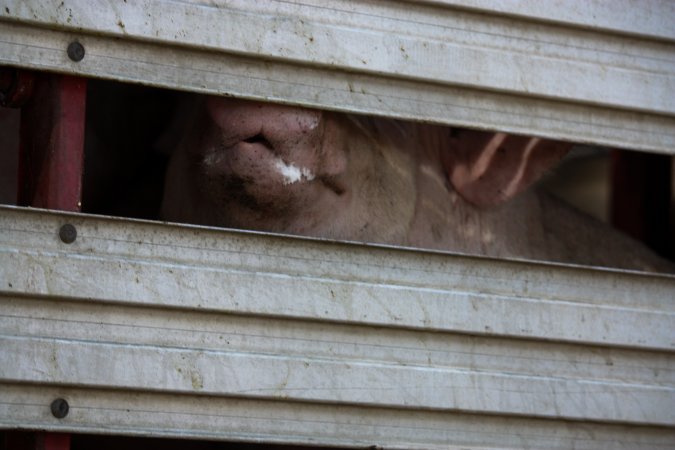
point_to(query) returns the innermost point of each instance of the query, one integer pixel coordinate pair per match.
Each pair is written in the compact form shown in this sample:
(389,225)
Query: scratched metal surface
(167,330)
(653,19)
(565,72)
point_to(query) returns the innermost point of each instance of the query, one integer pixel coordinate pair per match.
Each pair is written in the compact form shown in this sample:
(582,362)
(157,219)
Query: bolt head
(75,51)
(68,233)
(60,408)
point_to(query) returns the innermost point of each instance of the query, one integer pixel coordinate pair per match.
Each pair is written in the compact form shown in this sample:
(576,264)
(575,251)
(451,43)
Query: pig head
(286,169)
(269,167)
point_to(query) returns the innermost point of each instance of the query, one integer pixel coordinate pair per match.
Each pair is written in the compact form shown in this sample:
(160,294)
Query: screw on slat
(68,233)
(75,51)
(60,408)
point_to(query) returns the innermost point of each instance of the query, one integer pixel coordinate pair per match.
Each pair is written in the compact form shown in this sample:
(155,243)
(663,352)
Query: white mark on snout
(292,173)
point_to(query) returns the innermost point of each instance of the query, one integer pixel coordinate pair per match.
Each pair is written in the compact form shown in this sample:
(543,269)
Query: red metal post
(53,441)
(52,143)
(51,162)
(26,440)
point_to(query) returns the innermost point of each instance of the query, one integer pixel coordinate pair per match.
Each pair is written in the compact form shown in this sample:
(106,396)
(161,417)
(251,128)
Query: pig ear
(489,168)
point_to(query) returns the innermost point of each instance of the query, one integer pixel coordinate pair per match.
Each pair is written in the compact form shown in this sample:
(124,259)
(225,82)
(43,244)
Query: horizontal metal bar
(236,373)
(430,63)
(434,44)
(147,264)
(146,414)
(653,19)
(315,340)
(168,330)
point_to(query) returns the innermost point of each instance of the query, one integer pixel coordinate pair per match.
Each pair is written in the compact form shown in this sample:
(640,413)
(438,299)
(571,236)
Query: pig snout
(249,161)
(267,144)
(274,125)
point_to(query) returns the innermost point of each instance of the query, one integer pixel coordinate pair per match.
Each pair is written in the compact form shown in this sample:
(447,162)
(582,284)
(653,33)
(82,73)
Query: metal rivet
(68,233)
(75,51)
(60,408)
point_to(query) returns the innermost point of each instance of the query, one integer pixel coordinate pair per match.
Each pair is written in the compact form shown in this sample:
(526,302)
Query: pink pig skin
(260,166)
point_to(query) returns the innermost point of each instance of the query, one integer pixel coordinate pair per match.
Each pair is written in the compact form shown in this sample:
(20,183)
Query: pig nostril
(258,139)
(332,184)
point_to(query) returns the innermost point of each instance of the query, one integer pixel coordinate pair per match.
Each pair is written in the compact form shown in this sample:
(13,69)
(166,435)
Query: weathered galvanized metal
(138,328)
(167,330)
(576,70)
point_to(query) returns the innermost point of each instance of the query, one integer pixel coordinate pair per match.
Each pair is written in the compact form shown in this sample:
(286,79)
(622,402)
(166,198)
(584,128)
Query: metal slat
(169,330)
(384,288)
(301,378)
(208,330)
(654,18)
(138,413)
(369,302)
(432,63)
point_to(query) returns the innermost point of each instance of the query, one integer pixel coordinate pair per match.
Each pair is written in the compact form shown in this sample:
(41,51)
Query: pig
(286,169)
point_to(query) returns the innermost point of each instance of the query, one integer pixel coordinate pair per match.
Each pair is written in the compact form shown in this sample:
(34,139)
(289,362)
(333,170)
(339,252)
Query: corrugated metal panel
(653,18)
(509,69)
(175,330)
